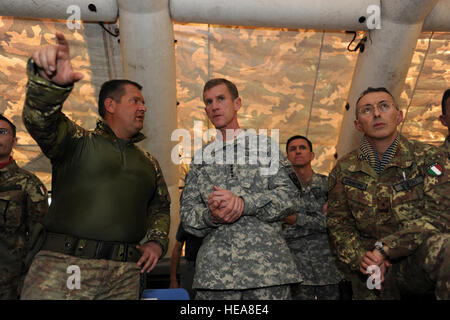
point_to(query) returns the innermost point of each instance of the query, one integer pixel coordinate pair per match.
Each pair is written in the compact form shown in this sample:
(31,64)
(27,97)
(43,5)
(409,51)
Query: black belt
(91,249)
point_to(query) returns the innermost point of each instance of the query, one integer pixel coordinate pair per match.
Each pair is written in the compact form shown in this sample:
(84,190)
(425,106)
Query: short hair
(217,81)
(369,90)
(114,89)
(13,127)
(299,137)
(445,97)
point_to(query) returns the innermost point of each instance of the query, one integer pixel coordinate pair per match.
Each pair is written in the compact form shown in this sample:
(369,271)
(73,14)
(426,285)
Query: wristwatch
(379,246)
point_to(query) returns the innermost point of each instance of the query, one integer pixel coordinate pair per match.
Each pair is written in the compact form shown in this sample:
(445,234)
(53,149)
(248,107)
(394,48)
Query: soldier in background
(388,207)
(445,119)
(23,204)
(306,230)
(237,206)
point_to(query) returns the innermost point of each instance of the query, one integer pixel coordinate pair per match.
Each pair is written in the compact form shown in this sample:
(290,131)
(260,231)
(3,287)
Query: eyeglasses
(368,109)
(4,131)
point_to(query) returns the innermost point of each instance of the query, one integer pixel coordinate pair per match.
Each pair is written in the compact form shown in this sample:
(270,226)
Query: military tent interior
(299,65)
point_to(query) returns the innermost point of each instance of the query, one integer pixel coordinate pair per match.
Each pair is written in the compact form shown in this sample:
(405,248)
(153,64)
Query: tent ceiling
(275,70)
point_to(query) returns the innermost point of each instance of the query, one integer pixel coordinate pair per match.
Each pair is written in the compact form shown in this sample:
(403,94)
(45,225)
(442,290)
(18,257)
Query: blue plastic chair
(165,294)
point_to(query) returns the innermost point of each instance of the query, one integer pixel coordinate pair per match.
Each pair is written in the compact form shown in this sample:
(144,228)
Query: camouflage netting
(296,81)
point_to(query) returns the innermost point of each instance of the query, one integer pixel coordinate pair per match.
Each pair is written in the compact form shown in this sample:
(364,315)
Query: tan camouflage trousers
(425,271)
(54,276)
(282,292)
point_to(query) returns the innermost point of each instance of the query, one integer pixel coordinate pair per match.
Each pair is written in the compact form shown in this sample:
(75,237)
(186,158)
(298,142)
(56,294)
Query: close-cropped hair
(217,81)
(114,89)
(299,137)
(369,90)
(13,127)
(445,97)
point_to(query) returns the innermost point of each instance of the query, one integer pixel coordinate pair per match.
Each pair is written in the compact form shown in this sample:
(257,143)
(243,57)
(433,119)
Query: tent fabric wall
(293,80)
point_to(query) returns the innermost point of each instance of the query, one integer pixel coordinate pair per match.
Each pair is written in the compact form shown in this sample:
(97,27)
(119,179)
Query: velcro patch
(354,183)
(408,184)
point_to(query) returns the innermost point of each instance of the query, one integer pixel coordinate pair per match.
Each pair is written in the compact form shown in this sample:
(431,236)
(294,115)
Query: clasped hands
(225,206)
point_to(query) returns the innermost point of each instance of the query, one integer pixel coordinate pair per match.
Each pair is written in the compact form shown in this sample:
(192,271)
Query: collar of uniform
(403,157)
(104,129)
(9,170)
(360,164)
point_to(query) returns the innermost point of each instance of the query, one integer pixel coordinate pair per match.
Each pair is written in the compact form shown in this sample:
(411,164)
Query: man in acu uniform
(237,206)
(306,230)
(109,214)
(388,207)
(23,204)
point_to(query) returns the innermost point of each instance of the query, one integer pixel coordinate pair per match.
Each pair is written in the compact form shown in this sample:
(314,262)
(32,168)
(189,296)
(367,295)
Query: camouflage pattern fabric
(249,253)
(99,279)
(402,207)
(308,238)
(23,203)
(268,293)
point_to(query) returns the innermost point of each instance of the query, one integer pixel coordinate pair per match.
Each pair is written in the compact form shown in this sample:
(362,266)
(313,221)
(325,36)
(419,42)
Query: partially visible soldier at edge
(23,203)
(109,214)
(306,231)
(388,207)
(445,119)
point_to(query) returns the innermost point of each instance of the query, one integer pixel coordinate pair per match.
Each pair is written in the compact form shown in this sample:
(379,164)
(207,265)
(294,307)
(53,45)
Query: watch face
(378,244)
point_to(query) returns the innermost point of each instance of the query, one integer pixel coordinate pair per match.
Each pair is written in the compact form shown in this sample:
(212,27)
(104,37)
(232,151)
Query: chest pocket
(408,202)
(360,202)
(12,201)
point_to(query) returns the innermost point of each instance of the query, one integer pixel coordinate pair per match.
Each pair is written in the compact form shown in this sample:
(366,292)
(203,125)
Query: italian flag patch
(435,170)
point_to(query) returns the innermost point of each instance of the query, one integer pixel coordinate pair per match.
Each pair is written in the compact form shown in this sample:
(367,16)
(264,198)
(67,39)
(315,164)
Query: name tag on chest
(354,183)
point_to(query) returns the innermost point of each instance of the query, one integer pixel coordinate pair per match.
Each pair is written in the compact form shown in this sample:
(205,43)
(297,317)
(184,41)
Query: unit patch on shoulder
(435,170)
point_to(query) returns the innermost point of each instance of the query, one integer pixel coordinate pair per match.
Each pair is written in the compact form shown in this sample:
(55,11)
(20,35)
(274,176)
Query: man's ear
(358,126)
(313,155)
(110,105)
(399,117)
(14,142)
(237,103)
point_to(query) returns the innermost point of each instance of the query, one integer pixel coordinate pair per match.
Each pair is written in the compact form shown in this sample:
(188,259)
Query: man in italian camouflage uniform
(23,203)
(445,119)
(109,216)
(306,230)
(237,203)
(388,207)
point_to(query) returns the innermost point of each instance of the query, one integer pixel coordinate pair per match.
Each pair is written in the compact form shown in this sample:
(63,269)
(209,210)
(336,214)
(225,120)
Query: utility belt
(91,249)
